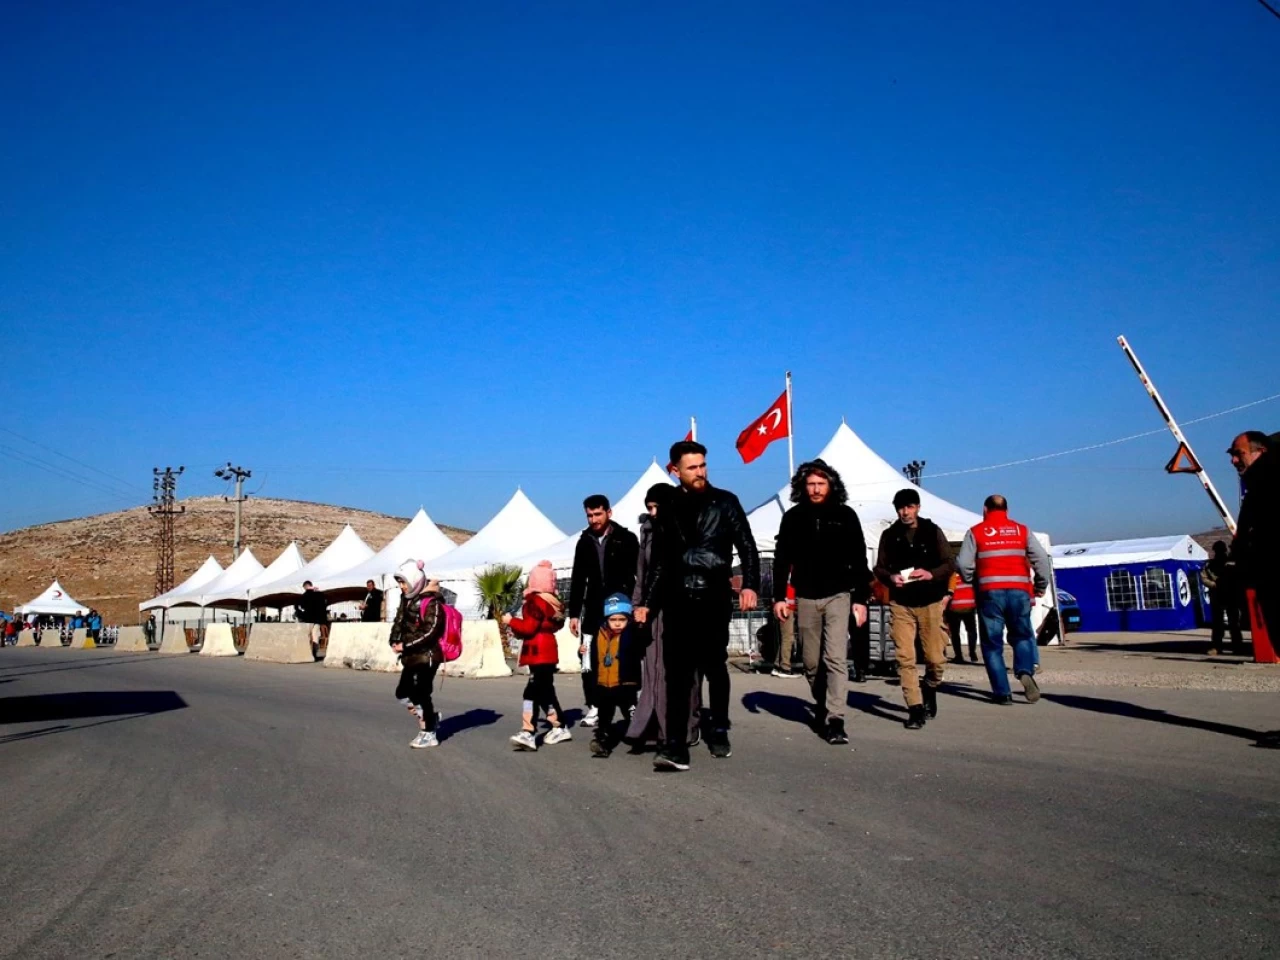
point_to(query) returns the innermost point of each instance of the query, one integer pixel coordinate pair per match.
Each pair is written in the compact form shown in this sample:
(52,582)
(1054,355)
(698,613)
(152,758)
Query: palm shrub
(499,586)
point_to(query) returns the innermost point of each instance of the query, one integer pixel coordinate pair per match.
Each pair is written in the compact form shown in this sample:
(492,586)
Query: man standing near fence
(695,538)
(604,563)
(821,545)
(371,606)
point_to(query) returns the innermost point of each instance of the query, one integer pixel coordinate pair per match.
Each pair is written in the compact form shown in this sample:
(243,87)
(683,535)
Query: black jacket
(372,611)
(1256,546)
(694,540)
(927,550)
(312,607)
(823,549)
(588,589)
(419,630)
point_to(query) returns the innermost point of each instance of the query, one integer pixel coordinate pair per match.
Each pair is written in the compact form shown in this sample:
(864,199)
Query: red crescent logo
(57,594)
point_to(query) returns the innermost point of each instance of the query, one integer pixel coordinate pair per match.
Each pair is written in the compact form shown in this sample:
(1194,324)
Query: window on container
(1157,589)
(1122,593)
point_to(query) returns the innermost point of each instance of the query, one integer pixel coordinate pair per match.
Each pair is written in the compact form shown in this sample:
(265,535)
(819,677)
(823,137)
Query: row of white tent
(521,535)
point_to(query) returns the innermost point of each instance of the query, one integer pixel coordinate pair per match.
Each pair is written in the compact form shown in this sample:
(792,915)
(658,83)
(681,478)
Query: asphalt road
(191,807)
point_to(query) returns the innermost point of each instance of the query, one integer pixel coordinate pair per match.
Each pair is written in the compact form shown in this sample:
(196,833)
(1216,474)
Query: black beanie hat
(904,498)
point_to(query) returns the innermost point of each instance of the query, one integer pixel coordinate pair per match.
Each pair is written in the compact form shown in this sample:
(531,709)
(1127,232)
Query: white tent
(55,601)
(1103,553)
(345,552)
(871,483)
(517,530)
(420,540)
(237,595)
(243,569)
(208,570)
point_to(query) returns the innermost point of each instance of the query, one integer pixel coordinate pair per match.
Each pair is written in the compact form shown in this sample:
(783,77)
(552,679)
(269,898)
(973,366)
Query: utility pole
(239,475)
(164,486)
(914,471)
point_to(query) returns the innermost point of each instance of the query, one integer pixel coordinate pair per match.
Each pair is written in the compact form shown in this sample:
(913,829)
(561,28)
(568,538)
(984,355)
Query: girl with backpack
(540,620)
(415,635)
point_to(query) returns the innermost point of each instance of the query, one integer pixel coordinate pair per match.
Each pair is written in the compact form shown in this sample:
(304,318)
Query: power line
(1270,9)
(35,443)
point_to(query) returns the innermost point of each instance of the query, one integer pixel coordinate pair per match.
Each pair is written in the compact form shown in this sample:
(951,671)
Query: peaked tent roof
(345,552)
(208,570)
(517,529)
(1142,550)
(872,484)
(243,569)
(421,539)
(55,601)
(236,595)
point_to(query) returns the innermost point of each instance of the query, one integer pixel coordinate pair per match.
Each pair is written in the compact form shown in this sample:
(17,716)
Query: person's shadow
(456,723)
(796,710)
(1119,708)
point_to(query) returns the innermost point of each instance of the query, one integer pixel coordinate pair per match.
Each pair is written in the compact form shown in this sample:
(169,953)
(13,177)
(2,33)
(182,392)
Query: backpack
(451,639)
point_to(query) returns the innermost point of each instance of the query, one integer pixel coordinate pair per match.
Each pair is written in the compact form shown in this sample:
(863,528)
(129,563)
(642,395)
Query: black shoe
(599,748)
(1004,701)
(1030,687)
(915,717)
(857,675)
(672,757)
(835,734)
(718,742)
(930,694)
(973,655)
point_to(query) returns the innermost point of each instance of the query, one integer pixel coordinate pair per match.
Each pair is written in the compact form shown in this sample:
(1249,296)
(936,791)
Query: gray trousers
(823,629)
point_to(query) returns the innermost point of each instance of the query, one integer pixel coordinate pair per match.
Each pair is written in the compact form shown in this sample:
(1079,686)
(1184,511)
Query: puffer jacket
(539,621)
(419,630)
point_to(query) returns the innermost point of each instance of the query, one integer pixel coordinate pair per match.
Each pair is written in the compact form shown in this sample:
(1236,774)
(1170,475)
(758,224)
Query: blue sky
(393,254)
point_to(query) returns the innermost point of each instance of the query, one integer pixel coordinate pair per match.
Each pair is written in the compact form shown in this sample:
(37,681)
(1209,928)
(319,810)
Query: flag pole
(791,447)
(1176,430)
(693,427)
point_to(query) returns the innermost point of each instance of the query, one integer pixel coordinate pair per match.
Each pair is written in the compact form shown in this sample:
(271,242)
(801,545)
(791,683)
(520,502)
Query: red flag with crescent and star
(772,425)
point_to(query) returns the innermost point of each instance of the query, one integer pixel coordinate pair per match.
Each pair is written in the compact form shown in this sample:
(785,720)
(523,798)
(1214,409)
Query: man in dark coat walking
(604,563)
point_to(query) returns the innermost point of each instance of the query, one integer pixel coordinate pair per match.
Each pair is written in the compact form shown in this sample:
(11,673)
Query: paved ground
(185,807)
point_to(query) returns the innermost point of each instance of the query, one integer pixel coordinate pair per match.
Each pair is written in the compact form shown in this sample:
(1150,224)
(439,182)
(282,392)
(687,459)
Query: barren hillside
(108,561)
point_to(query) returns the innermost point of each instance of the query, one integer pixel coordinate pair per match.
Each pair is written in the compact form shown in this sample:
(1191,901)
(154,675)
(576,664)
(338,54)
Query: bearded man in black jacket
(821,548)
(694,541)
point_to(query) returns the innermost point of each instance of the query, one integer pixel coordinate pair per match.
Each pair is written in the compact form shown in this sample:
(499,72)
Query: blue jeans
(1012,609)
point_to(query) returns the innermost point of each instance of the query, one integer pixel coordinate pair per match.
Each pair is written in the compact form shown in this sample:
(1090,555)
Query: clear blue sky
(398,254)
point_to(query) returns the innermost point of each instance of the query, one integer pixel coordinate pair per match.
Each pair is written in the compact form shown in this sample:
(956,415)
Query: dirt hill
(108,561)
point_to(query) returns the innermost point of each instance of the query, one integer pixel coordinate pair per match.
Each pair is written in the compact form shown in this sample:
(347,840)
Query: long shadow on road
(52,707)
(452,725)
(1121,708)
(796,710)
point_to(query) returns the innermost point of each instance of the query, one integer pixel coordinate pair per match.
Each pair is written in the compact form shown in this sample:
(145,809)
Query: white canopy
(345,552)
(1142,550)
(243,569)
(628,510)
(289,561)
(871,483)
(55,601)
(420,540)
(517,529)
(208,570)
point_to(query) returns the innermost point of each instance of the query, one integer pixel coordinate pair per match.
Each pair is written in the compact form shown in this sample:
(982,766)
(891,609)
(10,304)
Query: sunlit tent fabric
(243,569)
(208,570)
(421,539)
(345,552)
(55,602)
(237,595)
(871,482)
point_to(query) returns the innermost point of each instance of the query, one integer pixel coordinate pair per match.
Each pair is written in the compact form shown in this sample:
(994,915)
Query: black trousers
(860,645)
(695,643)
(1225,607)
(541,691)
(415,686)
(969,619)
(611,700)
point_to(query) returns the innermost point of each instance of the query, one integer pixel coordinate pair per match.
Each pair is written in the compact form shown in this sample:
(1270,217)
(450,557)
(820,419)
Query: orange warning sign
(1183,461)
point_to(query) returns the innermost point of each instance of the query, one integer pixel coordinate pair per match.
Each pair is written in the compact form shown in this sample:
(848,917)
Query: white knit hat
(411,573)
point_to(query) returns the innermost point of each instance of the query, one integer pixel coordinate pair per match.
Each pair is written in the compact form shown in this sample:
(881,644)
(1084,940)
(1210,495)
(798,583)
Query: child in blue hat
(617,668)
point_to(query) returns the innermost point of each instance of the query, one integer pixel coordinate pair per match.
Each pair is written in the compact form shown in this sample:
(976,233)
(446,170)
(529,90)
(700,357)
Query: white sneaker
(524,740)
(591,719)
(556,735)
(427,738)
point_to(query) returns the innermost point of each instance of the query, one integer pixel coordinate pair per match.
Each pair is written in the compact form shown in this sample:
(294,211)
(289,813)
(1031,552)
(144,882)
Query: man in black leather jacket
(694,542)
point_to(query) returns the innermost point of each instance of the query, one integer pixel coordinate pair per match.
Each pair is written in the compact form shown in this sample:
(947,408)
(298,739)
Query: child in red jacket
(537,625)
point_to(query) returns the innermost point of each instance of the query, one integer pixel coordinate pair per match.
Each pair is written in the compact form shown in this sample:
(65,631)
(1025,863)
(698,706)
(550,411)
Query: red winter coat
(536,626)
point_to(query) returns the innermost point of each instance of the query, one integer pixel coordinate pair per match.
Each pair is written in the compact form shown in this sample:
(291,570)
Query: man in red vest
(998,557)
(962,610)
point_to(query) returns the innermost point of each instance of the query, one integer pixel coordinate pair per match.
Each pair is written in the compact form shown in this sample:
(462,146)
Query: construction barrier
(482,655)
(132,640)
(280,643)
(218,641)
(26,638)
(361,646)
(567,646)
(174,639)
(50,638)
(80,639)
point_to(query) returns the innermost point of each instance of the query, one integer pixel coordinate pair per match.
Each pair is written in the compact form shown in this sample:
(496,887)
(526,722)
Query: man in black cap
(914,562)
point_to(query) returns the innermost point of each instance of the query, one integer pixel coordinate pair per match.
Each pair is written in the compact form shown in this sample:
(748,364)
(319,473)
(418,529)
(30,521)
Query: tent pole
(1178,435)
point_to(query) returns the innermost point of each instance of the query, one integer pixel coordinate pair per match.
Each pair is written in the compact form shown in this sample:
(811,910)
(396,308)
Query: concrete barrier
(175,639)
(50,638)
(80,639)
(218,641)
(482,655)
(567,647)
(132,640)
(280,643)
(27,638)
(361,646)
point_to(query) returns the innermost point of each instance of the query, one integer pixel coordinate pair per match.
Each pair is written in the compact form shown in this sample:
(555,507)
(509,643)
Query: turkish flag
(766,429)
(671,467)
